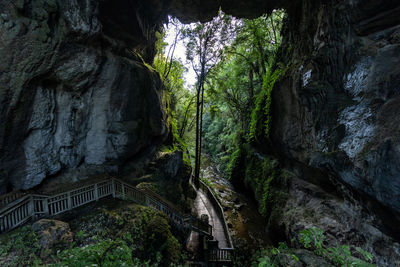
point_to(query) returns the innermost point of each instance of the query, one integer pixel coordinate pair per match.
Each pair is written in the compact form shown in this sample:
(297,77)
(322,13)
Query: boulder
(52,232)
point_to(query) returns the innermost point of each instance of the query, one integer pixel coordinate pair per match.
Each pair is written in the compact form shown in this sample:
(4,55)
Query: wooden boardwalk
(203,205)
(18,208)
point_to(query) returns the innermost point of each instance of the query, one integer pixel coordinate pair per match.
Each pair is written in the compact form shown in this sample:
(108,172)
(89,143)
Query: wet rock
(170,163)
(306,258)
(239,206)
(343,221)
(226,208)
(236,200)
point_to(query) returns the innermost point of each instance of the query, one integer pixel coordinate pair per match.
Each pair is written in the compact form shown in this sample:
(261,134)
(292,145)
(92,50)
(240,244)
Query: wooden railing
(17,214)
(35,206)
(17,211)
(11,197)
(220,255)
(17,208)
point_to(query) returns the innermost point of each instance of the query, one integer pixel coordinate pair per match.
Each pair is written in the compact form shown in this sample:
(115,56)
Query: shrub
(340,255)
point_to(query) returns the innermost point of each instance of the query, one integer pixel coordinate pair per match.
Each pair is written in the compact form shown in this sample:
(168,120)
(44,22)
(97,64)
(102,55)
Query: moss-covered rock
(168,175)
(108,233)
(262,175)
(144,230)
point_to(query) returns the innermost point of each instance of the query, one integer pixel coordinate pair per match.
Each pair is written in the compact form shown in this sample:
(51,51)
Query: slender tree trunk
(200,89)
(185,119)
(201,126)
(196,165)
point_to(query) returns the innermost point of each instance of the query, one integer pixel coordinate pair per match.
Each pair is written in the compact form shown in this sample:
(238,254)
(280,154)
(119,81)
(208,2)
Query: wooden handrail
(220,255)
(21,207)
(10,197)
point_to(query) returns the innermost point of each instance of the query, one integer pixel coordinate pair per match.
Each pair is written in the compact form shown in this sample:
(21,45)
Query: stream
(245,223)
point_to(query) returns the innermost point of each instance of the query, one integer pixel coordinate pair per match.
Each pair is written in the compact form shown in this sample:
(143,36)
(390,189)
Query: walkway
(202,205)
(17,208)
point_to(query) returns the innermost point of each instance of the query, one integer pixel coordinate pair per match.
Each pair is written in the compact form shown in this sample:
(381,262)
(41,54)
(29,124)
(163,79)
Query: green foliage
(340,255)
(259,175)
(263,175)
(234,161)
(273,257)
(312,238)
(115,235)
(367,256)
(260,116)
(240,83)
(104,253)
(177,98)
(23,246)
(219,140)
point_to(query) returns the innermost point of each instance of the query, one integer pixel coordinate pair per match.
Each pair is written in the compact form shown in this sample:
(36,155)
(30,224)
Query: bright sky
(180,53)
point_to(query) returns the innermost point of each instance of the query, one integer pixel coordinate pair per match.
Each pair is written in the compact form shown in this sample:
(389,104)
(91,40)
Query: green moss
(262,175)
(117,233)
(260,116)
(145,231)
(234,161)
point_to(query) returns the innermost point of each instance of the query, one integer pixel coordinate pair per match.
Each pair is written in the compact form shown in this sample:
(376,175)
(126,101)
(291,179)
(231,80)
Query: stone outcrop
(336,109)
(168,175)
(75,97)
(51,233)
(335,123)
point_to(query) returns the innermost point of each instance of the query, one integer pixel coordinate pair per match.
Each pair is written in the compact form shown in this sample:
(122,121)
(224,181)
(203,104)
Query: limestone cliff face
(337,109)
(336,124)
(74,97)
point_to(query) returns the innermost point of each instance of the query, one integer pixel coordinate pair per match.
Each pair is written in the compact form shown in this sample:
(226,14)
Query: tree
(205,43)
(178,99)
(236,83)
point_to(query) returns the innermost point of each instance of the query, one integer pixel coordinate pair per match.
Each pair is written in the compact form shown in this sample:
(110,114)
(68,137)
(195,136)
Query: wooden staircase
(17,208)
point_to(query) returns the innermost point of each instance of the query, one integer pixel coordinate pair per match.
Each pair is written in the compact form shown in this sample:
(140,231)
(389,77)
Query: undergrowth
(130,235)
(312,239)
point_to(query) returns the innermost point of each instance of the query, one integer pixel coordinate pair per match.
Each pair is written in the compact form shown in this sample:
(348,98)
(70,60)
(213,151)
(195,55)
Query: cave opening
(287,121)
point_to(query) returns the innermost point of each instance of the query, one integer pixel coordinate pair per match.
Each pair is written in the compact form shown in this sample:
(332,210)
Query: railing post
(31,208)
(146,201)
(69,200)
(123,190)
(46,206)
(96,192)
(113,187)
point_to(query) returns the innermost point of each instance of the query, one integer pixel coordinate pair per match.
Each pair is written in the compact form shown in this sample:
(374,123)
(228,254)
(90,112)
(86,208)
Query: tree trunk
(196,165)
(201,126)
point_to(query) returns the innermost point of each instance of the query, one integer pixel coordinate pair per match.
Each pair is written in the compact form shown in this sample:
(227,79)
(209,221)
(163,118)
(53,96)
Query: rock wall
(75,97)
(335,123)
(337,108)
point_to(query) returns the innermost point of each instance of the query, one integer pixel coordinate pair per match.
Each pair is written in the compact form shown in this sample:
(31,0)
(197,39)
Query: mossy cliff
(329,120)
